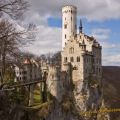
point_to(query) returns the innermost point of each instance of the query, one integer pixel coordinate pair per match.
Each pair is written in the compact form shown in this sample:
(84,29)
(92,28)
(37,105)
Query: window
(96,70)
(71,59)
(65,18)
(17,78)
(65,59)
(71,18)
(78,59)
(65,36)
(71,50)
(65,26)
(99,70)
(71,11)
(24,72)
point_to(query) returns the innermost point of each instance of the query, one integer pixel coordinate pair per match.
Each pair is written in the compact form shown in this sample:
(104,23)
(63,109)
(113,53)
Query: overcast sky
(101,18)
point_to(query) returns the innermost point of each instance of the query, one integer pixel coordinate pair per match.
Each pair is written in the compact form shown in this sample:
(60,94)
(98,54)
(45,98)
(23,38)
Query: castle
(81,50)
(80,74)
(83,54)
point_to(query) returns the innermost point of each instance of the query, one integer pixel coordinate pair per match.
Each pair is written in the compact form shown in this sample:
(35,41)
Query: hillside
(111,88)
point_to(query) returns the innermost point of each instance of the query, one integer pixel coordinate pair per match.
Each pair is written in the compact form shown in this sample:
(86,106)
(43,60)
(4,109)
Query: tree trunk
(3,61)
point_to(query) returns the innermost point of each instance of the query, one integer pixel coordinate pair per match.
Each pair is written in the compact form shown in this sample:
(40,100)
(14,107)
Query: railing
(18,84)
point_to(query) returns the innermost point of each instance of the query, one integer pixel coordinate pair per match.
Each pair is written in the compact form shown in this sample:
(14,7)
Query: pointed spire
(80,27)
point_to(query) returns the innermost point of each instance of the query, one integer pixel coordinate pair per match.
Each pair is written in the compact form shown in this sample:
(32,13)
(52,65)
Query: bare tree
(14,8)
(10,39)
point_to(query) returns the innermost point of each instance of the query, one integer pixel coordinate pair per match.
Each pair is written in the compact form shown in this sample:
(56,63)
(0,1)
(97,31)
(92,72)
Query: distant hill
(111,88)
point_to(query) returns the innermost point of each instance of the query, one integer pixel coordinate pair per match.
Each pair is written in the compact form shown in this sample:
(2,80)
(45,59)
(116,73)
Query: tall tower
(69,26)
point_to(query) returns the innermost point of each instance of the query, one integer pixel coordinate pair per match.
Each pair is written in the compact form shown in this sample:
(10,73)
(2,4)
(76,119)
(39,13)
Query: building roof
(27,61)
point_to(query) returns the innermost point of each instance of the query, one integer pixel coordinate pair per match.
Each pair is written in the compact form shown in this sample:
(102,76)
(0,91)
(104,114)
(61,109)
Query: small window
(17,78)
(71,18)
(71,50)
(78,59)
(71,11)
(65,36)
(71,59)
(65,26)
(65,18)
(96,70)
(24,72)
(65,59)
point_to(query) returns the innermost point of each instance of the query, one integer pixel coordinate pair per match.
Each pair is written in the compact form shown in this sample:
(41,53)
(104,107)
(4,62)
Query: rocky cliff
(65,106)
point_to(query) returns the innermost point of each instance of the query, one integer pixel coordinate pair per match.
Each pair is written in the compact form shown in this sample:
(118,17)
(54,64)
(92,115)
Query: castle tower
(69,26)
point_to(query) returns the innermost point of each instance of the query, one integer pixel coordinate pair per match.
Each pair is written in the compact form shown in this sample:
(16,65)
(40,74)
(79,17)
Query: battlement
(69,8)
